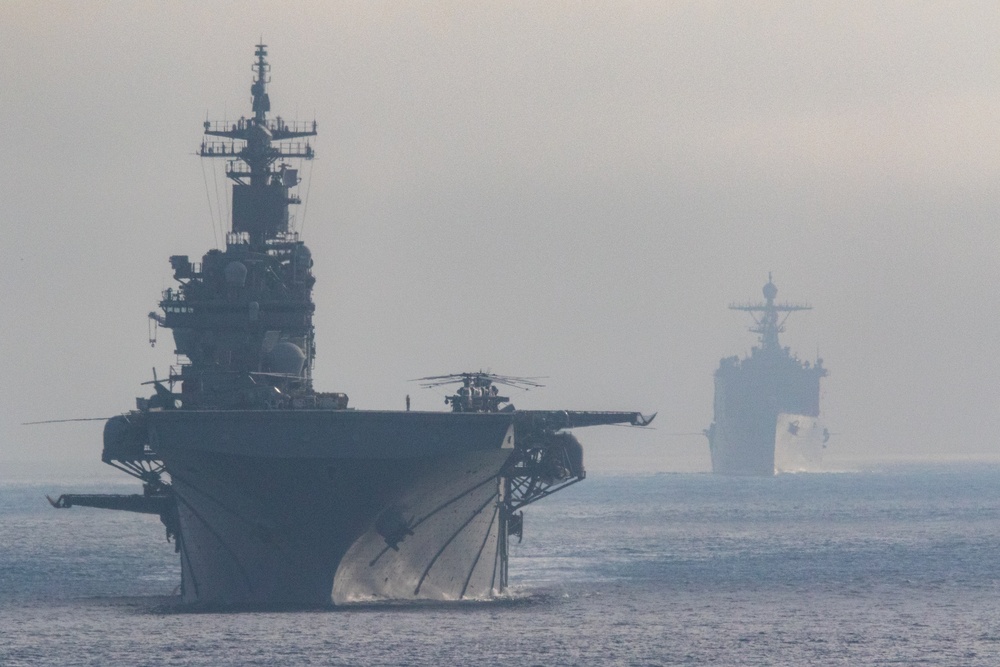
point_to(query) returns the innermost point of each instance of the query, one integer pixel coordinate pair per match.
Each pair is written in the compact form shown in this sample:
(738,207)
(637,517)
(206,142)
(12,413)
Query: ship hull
(317,507)
(757,399)
(768,443)
(799,441)
(743,448)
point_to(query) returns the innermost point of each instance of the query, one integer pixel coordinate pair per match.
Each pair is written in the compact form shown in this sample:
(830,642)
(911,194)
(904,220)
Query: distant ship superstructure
(281,495)
(766,410)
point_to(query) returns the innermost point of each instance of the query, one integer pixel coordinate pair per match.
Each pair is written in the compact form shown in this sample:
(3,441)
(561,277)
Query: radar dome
(287,358)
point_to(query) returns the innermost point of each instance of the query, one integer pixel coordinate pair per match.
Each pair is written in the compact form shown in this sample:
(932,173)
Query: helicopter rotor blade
(516,382)
(62,421)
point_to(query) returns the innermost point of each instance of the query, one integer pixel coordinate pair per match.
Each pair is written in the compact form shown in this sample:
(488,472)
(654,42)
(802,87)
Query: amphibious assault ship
(278,494)
(767,403)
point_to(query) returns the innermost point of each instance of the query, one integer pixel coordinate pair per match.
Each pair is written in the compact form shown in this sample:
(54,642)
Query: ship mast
(765,315)
(256,151)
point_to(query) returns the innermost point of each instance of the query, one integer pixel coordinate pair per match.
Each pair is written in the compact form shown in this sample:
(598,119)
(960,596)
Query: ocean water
(898,565)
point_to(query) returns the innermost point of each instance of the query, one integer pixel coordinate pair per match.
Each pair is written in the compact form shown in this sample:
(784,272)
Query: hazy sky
(559,189)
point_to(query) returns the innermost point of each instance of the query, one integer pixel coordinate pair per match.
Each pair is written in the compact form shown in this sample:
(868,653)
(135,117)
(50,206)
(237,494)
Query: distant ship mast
(767,323)
(261,193)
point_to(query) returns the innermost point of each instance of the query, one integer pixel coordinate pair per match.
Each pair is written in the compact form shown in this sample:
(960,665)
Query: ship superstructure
(766,409)
(242,317)
(278,494)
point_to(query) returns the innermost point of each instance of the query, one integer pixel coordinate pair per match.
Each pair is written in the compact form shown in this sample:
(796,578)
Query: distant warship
(767,404)
(277,494)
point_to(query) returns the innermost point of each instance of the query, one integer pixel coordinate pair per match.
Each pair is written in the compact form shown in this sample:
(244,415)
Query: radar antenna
(256,149)
(767,323)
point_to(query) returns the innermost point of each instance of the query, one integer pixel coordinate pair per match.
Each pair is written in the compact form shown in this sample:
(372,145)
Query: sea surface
(894,565)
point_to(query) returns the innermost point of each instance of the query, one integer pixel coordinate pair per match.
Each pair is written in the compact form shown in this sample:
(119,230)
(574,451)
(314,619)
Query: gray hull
(744,448)
(799,443)
(771,443)
(305,508)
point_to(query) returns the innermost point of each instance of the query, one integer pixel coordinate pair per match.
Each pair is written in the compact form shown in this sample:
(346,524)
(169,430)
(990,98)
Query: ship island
(766,407)
(276,494)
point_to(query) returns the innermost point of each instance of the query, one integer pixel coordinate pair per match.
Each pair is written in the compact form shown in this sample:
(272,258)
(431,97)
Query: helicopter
(479,391)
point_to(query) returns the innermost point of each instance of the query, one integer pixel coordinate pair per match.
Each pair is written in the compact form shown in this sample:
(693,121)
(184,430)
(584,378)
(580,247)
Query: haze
(568,190)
